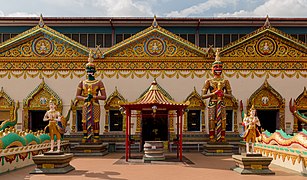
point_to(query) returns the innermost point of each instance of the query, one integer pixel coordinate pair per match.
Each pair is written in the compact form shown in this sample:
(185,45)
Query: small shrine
(154,107)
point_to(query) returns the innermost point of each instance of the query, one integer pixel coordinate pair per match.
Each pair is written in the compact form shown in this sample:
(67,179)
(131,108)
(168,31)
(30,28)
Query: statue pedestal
(52,163)
(217,149)
(90,149)
(154,151)
(252,164)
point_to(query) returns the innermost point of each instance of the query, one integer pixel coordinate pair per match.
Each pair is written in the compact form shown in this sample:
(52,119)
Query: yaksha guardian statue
(91,91)
(216,89)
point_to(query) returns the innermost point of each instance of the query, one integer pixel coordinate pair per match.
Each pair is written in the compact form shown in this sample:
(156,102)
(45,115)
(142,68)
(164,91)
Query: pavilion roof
(154,96)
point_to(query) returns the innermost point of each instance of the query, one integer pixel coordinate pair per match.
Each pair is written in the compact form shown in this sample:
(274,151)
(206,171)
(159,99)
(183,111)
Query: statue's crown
(90,59)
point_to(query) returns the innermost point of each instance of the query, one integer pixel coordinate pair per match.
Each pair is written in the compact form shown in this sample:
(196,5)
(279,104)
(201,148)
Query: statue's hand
(89,98)
(219,93)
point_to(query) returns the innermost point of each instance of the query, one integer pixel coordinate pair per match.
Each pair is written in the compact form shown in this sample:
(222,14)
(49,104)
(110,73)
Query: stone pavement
(113,167)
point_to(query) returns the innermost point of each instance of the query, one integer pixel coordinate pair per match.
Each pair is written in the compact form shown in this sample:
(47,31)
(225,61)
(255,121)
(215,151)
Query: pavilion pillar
(180,134)
(127,148)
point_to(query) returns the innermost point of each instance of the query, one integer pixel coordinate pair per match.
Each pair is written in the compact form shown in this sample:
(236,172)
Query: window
(218,40)
(229,120)
(191,38)
(119,38)
(99,40)
(75,37)
(226,39)
(211,40)
(301,37)
(116,120)
(202,40)
(241,35)
(184,36)
(83,39)
(234,37)
(108,40)
(126,36)
(68,35)
(194,120)
(6,37)
(91,40)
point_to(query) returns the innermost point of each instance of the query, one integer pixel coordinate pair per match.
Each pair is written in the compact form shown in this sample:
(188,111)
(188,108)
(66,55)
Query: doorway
(269,119)
(36,121)
(154,128)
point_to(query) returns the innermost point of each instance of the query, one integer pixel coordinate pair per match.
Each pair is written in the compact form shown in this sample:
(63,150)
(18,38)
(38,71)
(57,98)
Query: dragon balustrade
(287,150)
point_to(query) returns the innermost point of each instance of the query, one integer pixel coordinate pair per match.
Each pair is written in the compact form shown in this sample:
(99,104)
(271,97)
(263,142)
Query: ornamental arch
(270,107)
(35,106)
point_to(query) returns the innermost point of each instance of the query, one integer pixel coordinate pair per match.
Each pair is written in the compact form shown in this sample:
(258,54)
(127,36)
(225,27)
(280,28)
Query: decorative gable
(155,42)
(42,41)
(266,42)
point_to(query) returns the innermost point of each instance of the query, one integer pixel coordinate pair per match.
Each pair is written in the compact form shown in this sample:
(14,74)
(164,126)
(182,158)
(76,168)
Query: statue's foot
(58,150)
(51,150)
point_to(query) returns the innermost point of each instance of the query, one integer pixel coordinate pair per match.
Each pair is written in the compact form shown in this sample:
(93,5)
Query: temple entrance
(36,120)
(269,119)
(154,128)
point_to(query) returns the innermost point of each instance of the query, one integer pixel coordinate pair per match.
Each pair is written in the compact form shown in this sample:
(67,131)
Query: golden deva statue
(88,91)
(56,124)
(251,133)
(216,89)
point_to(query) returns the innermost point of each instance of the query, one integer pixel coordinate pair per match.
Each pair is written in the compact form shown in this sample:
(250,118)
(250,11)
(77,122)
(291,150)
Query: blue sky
(147,8)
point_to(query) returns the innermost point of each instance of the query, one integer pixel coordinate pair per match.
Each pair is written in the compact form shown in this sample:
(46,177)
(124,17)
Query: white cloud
(125,7)
(18,14)
(277,8)
(200,8)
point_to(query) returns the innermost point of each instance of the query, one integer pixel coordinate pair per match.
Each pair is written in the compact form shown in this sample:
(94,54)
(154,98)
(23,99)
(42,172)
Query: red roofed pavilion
(157,103)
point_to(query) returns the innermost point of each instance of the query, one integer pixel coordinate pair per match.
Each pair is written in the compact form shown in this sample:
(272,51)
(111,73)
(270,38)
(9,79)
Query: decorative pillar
(124,122)
(138,122)
(127,134)
(180,134)
(74,119)
(203,123)
(171,120)
(235,121)
(106,125)
(185,122)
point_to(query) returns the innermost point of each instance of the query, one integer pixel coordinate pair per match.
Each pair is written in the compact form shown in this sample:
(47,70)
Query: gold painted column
(185,122)
(203,123)
(138,122)
(171,116)
(106,125)
(235,121)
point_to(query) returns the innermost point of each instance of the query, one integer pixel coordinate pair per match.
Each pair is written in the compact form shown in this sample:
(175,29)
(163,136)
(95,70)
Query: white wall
(179,89)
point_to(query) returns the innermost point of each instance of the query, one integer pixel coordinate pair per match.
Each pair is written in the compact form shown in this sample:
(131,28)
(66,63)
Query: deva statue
(216,89)
(56,125)
(251,131)
(91,91)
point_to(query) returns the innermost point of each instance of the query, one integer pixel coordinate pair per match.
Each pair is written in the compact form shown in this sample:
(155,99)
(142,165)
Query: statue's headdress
(52,100)
(90,63)
(217,57)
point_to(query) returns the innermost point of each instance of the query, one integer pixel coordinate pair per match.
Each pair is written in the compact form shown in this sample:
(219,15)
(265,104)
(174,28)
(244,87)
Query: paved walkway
(111,167)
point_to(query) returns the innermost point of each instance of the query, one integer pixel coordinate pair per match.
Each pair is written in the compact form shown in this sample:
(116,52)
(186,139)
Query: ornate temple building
(264,59)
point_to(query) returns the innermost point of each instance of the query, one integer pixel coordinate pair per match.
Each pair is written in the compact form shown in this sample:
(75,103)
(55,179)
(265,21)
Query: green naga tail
(12,121)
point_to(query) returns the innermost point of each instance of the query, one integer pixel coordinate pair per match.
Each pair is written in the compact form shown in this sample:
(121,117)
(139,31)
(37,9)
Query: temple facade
(265,64)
